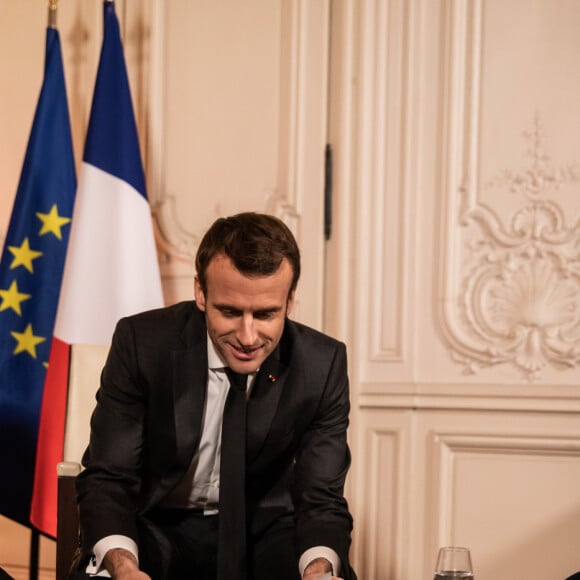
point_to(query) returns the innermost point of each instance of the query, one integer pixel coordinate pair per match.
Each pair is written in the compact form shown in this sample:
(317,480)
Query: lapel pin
(272,378)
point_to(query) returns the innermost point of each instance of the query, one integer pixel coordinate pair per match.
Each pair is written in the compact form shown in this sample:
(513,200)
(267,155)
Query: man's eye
(263,315)
(230,313)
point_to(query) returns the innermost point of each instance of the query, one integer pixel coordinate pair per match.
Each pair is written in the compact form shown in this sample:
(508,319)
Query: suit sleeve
(322,462)
(108,487)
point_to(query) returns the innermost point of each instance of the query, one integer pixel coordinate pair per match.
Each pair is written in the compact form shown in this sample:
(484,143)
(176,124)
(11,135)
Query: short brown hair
(256,244)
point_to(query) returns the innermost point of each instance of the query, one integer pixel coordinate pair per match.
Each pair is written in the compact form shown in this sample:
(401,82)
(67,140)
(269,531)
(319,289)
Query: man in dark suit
(218,444)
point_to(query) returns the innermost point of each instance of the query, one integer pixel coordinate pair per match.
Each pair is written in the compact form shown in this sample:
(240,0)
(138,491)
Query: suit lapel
(263,402)
(186,378)
(189,386)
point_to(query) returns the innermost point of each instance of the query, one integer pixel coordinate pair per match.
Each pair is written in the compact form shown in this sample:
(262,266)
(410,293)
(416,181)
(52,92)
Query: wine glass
(453,563)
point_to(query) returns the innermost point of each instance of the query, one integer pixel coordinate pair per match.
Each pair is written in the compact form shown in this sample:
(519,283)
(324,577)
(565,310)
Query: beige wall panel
(379,196)
(507,267)
(22,43)
(502,483)
(19,94)
(506,486)
(238,122)
(221,103)
(456,125)
(380,494)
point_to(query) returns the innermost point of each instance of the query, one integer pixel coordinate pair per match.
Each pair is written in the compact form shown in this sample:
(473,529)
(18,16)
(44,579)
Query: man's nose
(246,330)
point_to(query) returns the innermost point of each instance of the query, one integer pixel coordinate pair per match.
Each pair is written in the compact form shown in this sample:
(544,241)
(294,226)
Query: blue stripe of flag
(112,142)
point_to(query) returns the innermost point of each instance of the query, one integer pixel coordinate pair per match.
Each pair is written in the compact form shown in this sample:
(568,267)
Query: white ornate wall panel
(383,468)
(457,193)
(503,483)
(379,194)
(508,269)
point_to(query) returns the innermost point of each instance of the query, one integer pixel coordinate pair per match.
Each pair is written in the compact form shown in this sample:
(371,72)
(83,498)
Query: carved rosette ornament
(520,302)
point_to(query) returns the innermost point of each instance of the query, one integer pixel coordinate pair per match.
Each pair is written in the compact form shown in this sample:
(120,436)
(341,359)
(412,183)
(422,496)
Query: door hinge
(327,192)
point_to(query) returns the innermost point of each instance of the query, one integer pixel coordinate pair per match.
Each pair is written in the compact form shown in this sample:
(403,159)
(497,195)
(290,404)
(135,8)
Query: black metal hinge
(327,192)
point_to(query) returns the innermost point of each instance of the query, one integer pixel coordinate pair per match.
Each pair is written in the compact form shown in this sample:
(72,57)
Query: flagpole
(34,554)
(52,7)
(33,557)
(33,562)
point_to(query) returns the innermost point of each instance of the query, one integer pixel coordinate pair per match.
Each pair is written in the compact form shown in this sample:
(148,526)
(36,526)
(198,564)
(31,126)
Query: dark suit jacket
(147,425)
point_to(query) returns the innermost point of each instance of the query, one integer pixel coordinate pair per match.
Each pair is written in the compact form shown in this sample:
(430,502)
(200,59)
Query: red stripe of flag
(51,437)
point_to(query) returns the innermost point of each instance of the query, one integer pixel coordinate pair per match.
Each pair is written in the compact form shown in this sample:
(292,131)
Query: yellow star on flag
(11,298)
(23,255)
(52,222)
(27,341)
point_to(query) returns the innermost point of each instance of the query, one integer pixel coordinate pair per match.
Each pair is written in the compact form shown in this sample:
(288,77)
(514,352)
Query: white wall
(458,209)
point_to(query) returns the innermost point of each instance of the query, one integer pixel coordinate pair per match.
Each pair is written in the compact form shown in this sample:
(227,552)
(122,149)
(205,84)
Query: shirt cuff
(319,552)
(95,566)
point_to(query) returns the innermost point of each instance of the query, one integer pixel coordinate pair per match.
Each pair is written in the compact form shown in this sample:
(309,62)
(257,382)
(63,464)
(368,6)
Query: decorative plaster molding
(520,295)
(379,498)
(509,287)
(280,206)
(384,196)
(545,397)
(174,242)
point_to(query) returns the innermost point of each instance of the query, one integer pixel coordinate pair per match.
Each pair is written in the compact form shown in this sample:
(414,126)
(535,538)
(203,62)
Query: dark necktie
(232,498)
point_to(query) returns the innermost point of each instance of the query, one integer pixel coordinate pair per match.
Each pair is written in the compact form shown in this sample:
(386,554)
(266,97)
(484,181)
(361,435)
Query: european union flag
(31,270)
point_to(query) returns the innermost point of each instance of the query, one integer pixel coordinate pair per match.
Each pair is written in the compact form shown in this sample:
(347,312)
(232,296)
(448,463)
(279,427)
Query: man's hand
(122,565)
(317,569)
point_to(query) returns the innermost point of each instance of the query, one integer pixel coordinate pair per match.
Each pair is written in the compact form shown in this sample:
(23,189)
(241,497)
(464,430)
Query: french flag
(111,267)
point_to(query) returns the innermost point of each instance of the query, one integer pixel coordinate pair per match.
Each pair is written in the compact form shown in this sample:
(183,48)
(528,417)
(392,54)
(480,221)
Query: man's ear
(199,294)
(290,302)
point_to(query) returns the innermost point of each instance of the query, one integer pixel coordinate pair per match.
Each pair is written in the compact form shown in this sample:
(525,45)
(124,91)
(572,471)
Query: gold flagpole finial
(52,6)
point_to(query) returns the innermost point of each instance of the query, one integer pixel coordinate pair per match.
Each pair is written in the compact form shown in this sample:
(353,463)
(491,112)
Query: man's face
(244,316)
